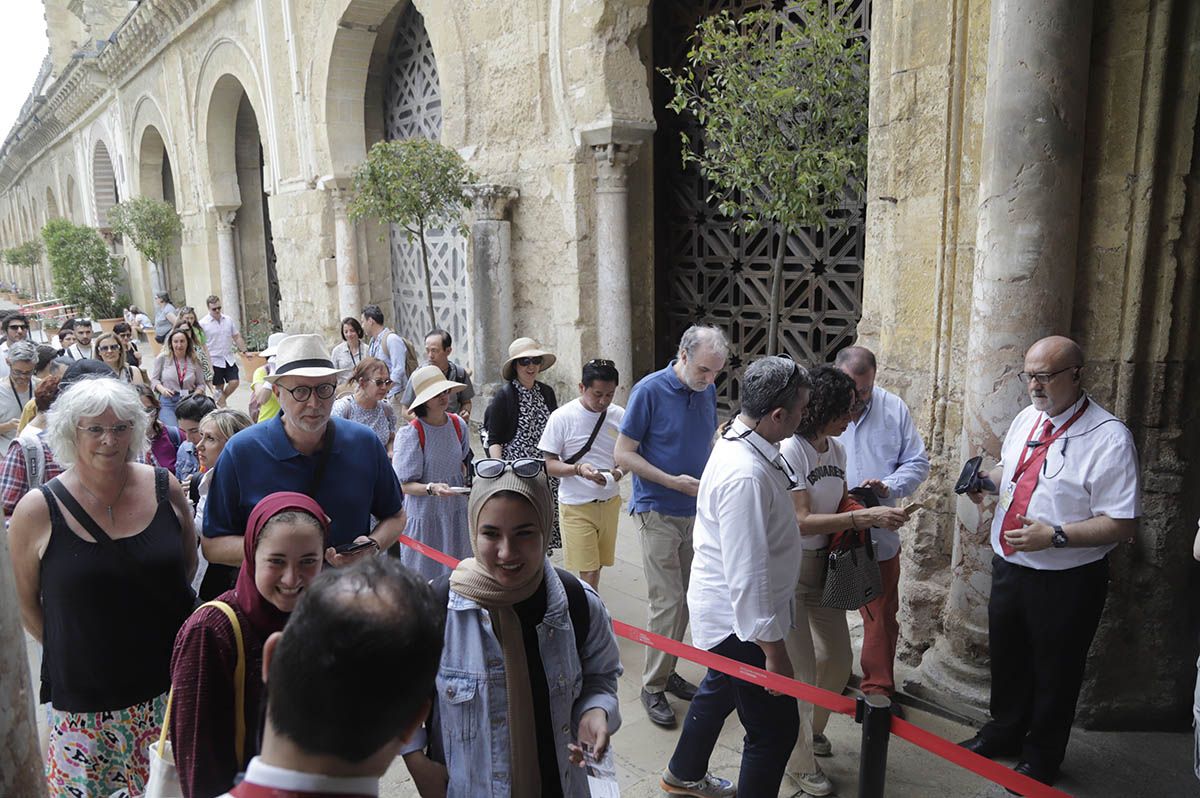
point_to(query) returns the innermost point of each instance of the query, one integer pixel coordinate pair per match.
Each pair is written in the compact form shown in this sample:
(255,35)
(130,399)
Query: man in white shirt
(884,453)
(326,733)
(1068,482)
(223,341)
(82,348)
(15,328)
(578,444)
(744,573)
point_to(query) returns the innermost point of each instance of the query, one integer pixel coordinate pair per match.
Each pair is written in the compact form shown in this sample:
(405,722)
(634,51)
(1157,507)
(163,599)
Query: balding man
(1068,486)
(884,453)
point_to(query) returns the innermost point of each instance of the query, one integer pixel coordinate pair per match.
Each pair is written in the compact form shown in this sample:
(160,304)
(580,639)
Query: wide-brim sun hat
(428,382)
(525,347)
(304,356)
(273,342)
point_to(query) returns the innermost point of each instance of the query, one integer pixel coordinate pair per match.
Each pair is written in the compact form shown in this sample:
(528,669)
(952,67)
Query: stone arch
(155,178)
(51,205)
(104,183)
(227,76)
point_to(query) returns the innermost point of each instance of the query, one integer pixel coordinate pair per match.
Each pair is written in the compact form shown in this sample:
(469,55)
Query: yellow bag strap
(239,688)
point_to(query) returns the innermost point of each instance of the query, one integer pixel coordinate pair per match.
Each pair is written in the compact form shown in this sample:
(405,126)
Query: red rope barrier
(938,746)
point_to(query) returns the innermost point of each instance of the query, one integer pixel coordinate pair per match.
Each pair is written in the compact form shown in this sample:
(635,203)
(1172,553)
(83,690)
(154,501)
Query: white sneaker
(815,783)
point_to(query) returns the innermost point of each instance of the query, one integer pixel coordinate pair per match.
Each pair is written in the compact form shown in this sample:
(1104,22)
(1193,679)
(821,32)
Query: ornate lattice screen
(706,272)
(414,108)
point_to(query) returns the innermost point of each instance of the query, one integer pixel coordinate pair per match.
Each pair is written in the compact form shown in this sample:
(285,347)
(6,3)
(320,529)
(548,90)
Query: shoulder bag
(852,577)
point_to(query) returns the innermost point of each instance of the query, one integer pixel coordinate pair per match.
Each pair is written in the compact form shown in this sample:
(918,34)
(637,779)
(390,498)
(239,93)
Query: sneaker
(680,687)
(815,783)
(708,787)
(821,746)
(659,709)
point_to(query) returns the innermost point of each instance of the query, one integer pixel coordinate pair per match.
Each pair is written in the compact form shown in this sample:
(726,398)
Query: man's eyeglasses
(786,469)
(22,374)
(491,468)
(1042,378)
(111,348)
(302,393)
(97,430)
(529,361)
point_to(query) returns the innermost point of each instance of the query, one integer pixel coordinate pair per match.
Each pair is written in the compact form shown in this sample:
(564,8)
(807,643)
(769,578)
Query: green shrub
(85,272)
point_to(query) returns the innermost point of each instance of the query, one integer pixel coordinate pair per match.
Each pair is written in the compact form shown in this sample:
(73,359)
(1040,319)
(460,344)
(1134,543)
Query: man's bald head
(1062,351)
(1051,371)
(856,360)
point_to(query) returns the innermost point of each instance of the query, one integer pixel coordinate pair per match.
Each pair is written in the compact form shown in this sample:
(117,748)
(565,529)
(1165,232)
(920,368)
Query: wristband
(429,489)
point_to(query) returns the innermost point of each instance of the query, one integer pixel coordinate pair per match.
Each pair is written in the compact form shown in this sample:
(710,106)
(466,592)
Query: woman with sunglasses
(368,404)
(112,353)
(516,418)
(530,667)
(431,452)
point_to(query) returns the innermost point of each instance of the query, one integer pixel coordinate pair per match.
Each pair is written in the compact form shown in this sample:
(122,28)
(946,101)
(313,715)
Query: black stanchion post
(874,712)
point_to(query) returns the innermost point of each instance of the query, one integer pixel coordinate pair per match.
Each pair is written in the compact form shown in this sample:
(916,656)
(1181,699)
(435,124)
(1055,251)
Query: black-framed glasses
(302,393)
(529,361)
(18,326)
(492,468)
(1042,378)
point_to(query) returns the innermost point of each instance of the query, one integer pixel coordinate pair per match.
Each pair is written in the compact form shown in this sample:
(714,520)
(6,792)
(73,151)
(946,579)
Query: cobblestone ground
(1099,765)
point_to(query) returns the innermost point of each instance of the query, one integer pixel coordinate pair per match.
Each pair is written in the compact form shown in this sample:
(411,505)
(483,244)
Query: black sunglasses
(492,468)
(529,361)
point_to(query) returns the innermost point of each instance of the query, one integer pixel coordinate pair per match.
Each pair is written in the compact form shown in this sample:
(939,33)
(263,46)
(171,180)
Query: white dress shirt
(1091,470)
(264,775)
(746,543)
(884,444)
(218,339)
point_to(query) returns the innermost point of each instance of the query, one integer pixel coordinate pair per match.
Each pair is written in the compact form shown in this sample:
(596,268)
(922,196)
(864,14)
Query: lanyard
(180,373)
(1042,448)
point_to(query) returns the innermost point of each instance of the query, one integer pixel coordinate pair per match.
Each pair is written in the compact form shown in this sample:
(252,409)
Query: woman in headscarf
(284,546)
(519,688)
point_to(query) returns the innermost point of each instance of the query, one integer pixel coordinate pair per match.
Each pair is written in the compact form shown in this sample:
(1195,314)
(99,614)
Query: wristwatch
(1059,539)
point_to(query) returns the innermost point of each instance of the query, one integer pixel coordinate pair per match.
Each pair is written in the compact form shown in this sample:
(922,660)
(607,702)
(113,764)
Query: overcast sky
(20,56)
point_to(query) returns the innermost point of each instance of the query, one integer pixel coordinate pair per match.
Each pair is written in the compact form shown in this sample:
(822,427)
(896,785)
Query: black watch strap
(1059,539)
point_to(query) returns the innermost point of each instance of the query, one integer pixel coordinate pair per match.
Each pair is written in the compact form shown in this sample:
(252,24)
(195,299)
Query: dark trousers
(1041,625)
(771,723)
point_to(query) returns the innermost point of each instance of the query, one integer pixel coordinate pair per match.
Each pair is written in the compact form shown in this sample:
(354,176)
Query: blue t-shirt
(358,481)
(675,426)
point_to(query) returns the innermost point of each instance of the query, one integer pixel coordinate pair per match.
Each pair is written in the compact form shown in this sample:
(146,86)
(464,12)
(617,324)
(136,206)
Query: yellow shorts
(589,534)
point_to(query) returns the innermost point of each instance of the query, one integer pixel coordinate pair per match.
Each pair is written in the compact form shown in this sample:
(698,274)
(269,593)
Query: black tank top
(107,638)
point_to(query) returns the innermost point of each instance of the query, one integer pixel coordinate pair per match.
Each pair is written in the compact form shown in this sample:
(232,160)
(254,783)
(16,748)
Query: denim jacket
(473,699)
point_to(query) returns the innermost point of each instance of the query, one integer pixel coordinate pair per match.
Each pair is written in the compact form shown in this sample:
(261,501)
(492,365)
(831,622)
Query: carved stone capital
(612,165)
(225,215)
(490,201)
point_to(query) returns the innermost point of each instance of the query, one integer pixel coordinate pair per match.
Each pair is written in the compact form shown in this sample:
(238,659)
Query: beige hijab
(473,581)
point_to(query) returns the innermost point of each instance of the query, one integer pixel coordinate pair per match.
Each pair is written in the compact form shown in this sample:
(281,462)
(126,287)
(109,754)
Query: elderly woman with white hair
(22,359)
(102,557)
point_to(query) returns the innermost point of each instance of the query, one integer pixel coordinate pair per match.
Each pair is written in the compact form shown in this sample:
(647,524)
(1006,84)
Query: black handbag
(852,577)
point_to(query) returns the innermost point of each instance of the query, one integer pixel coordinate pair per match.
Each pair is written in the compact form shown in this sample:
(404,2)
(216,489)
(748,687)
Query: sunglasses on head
(529,361)
(491,468)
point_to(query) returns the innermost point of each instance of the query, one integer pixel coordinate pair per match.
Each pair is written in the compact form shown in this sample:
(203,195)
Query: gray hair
(703,335)
(91,397)
(23,351)
(770,383)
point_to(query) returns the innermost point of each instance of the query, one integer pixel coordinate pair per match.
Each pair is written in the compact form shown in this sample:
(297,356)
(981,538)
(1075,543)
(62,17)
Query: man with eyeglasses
(666,436)
(1068,486)
(16,328)
(339,463)
(224,341)
(744,576)
(437,353)
(17,389)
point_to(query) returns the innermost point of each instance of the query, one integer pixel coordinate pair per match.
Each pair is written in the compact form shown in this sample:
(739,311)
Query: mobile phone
(973,477)
(461,491)
(353,548)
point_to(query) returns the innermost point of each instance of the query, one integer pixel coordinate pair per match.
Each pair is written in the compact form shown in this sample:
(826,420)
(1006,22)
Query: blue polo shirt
(260,460)
(675,427)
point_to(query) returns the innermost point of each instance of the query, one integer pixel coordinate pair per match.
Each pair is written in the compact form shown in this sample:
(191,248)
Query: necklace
(108,507)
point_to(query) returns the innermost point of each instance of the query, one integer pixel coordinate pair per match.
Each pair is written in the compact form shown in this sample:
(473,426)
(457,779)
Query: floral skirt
(97,754)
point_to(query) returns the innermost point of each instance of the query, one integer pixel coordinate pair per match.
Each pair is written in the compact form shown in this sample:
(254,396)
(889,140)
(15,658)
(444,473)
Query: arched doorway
(72,199)
(157,181)
(412,107)
(51,205)
(104,184)
(706,272)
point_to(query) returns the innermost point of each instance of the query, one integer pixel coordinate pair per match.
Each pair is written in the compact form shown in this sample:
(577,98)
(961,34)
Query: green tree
(27,255)
(417,185)
(782,111)
(84,271)
(151,226)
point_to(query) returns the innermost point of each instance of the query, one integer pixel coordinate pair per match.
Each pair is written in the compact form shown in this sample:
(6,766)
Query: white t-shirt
(567,431)
(822,474)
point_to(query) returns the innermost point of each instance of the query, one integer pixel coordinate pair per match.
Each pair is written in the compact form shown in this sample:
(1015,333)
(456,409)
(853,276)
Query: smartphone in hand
(354,548)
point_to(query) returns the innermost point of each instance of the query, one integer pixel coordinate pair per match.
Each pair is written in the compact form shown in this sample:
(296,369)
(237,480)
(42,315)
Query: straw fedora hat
(525,347)
(303,356)
(273,342)
(428,382)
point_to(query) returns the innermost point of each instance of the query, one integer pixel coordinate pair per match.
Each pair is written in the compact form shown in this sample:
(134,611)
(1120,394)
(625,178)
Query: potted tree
(782,110)
(28,256)
(83,269)
(417,185)
(152,226)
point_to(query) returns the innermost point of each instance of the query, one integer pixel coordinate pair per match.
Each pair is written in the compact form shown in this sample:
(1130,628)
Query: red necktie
(1026,480)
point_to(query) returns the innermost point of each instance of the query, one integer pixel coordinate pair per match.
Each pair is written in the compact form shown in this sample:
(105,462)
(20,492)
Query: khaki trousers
(667,563)
(819,648)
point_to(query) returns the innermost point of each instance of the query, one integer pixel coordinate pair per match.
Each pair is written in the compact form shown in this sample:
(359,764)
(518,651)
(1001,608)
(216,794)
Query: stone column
(21,773)
(490,285)
(614,314)
(1033,141)
(227,258)
(345,232)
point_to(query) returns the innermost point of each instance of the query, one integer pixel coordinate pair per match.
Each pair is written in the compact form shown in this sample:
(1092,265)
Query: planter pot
(106,325)
(252,361)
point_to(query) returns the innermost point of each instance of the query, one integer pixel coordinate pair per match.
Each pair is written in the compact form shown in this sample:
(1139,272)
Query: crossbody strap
(322,459)
(587,447)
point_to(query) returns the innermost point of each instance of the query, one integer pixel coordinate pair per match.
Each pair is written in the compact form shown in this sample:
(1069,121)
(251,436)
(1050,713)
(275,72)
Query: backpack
(35,461)
(410,355)
(175,437)
(420,428)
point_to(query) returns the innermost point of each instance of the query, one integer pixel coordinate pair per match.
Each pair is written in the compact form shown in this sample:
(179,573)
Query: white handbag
(164,778)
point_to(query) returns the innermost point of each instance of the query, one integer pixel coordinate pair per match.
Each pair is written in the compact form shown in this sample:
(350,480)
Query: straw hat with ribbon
(303,356)
(525,347)
(428,382)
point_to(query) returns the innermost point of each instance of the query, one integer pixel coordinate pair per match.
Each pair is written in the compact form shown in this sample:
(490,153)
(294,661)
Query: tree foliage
(85,272)
(782,111)
(417,185)
(28,254)
(150,225)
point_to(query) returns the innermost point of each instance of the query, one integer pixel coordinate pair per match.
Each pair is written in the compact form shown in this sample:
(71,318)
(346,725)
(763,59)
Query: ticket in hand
(602,773)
